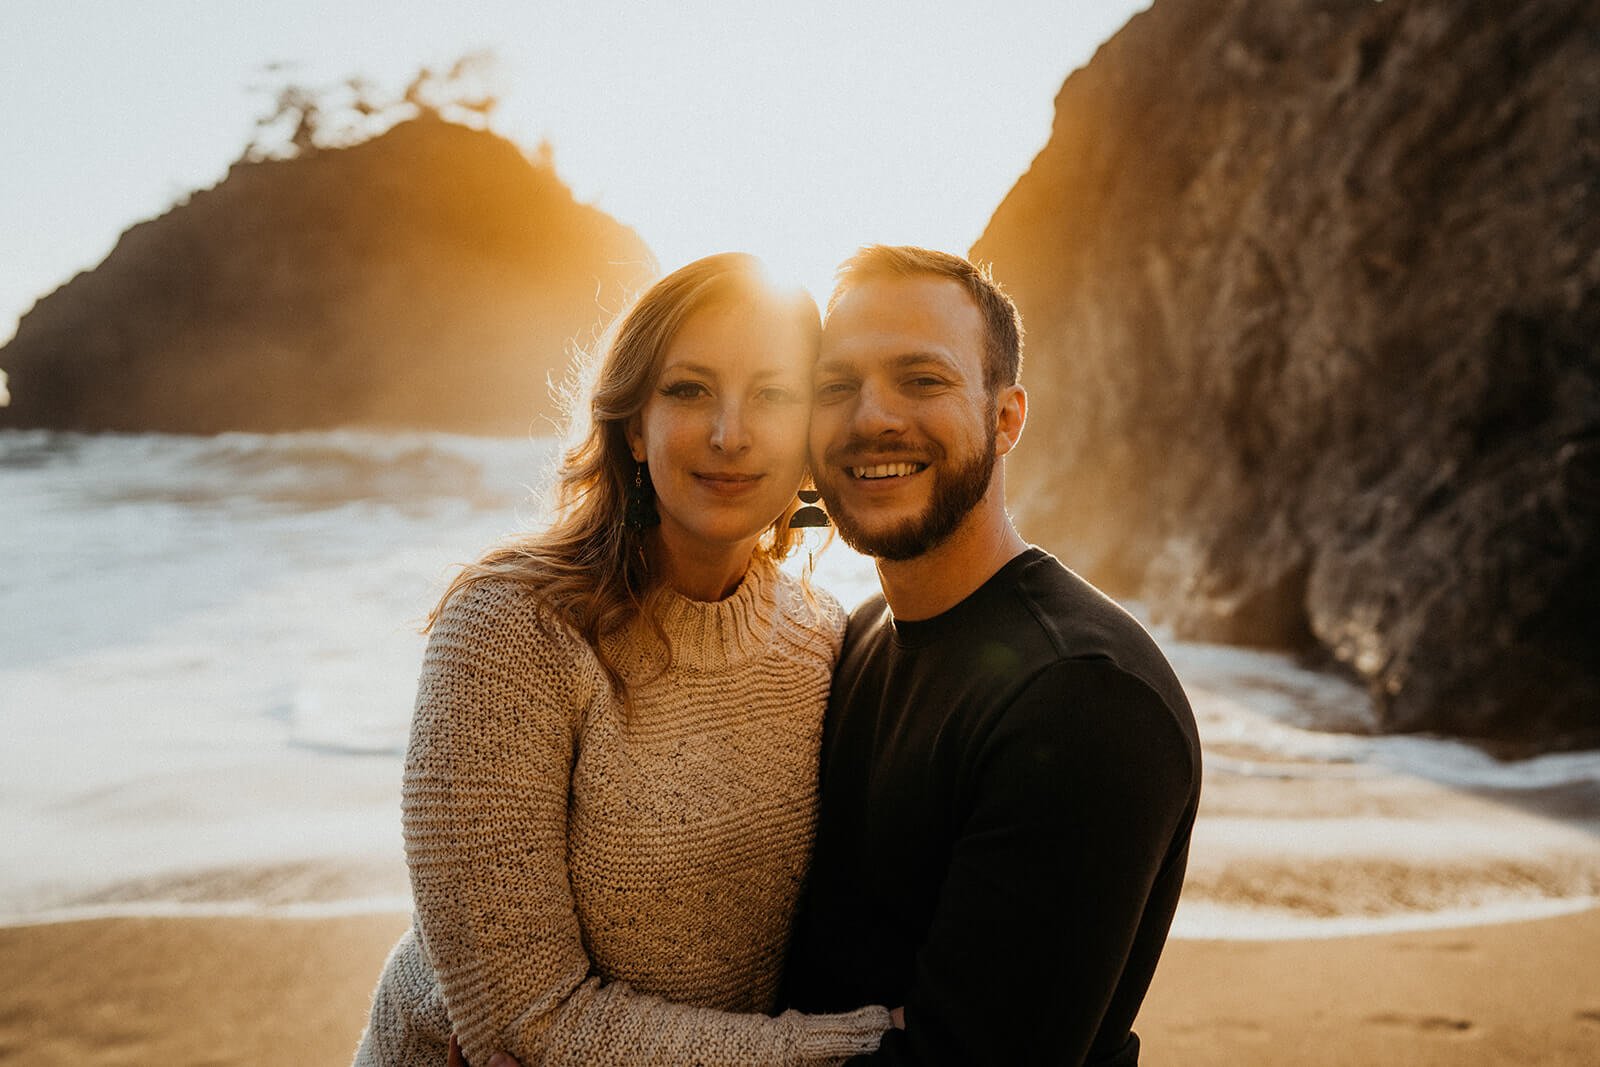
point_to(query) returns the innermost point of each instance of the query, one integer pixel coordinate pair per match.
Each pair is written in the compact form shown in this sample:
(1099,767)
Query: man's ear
(1011,411)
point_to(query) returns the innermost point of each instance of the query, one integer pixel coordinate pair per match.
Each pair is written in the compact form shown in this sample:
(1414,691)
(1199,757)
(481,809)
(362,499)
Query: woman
(610,792)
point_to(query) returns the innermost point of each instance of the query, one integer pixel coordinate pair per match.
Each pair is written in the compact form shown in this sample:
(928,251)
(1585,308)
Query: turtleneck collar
(705,635)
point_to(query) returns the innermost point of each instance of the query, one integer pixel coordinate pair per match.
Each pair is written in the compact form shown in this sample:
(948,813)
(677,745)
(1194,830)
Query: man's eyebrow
(901,362)
(917,359)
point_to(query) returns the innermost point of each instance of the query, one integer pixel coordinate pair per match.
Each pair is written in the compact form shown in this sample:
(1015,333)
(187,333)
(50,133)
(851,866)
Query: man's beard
(954,495)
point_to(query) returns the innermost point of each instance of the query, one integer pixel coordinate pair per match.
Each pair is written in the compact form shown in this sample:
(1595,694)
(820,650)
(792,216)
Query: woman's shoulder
(508,619)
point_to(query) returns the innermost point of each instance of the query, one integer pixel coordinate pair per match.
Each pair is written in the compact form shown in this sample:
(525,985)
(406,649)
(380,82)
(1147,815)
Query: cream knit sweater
(600,886)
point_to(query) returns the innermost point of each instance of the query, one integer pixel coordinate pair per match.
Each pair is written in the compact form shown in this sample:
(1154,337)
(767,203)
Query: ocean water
(209,646)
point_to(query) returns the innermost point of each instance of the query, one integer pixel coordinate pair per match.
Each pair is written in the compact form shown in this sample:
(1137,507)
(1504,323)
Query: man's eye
(834,390)
(777,394)
(925,382)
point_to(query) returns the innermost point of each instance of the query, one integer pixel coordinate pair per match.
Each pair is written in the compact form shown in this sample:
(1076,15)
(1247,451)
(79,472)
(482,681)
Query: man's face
(903,431)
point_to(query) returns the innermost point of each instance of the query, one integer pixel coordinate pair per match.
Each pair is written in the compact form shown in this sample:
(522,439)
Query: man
(1010,769)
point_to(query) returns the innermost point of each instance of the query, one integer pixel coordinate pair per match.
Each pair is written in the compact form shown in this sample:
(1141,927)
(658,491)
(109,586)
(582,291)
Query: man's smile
(886,470)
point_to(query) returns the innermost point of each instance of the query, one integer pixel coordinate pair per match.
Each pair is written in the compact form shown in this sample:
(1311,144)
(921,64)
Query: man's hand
(898,1017)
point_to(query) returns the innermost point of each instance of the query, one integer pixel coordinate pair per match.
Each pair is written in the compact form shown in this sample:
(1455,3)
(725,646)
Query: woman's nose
(729,432)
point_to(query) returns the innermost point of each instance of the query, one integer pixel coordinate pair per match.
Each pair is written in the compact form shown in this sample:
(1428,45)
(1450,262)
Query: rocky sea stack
(1313,299)
(431,277)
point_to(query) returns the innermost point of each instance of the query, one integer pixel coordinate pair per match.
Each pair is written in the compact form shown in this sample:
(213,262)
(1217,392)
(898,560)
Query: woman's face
(724,429)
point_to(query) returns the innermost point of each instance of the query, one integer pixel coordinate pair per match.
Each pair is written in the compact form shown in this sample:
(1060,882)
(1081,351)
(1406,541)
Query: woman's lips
(728,484)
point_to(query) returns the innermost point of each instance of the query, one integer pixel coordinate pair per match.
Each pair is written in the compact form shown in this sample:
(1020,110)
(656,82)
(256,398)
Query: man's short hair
(1002,323)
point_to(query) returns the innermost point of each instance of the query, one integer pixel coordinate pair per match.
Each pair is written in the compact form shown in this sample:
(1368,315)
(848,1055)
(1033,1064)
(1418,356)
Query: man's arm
(1075,801)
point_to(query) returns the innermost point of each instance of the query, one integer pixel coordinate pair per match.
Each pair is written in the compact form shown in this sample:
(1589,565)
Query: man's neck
(944,576)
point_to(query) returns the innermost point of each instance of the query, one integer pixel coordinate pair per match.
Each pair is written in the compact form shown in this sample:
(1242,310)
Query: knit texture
(600,884)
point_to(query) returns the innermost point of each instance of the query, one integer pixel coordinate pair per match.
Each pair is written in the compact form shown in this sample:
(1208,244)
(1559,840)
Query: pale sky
(797,132)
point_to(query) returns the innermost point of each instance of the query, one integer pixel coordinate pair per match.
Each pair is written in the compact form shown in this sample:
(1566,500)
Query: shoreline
(239,990)
(1201,921)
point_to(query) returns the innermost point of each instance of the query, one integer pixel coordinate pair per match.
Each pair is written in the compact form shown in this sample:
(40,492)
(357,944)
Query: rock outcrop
(432,277)
(1312,291)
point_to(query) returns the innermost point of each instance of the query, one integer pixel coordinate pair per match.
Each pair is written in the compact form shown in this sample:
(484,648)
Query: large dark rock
(432,277)
(1313,299)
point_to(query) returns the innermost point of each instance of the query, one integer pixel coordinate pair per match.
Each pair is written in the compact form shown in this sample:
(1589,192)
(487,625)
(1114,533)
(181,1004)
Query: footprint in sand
(1439,946)
(1231,1029)
(1441,1024)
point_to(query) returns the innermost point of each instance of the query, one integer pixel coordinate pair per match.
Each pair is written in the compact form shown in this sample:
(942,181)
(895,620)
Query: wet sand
(1523,992)
(265,990)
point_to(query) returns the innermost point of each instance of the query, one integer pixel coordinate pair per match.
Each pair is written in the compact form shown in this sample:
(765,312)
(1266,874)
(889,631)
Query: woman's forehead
(742,338)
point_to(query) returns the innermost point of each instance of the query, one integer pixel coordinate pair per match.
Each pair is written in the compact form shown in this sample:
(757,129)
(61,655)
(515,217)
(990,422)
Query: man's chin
(894,542)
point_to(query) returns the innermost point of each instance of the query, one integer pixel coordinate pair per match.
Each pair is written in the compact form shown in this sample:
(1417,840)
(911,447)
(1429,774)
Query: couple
(612,792)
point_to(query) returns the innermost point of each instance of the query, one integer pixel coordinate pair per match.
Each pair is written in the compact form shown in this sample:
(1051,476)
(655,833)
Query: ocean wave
(292,471)
(1204,921)
(1261,714)
(28,450)
(232,909)
(349,717)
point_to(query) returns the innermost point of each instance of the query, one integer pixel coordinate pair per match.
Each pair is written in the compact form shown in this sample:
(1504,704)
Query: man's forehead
(900,315)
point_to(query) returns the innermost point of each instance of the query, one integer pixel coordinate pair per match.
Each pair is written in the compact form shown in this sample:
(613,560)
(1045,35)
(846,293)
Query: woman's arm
(503,692)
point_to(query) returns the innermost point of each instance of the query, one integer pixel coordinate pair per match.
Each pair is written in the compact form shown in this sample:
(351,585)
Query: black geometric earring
(811,514)
(639,512)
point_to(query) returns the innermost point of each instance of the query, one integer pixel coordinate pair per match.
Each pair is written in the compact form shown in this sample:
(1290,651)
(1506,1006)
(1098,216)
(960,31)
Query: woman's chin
(708,529)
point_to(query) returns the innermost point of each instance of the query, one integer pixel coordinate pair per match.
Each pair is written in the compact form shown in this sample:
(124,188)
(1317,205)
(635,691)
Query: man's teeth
(887,470)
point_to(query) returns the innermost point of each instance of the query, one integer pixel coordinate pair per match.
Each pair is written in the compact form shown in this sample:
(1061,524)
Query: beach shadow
(1433,1024)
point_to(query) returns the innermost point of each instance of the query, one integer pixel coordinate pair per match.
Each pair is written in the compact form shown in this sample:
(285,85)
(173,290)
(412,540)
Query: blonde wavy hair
(587,565)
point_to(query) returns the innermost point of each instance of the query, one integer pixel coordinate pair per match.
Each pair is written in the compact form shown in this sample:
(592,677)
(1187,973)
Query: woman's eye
(685,390)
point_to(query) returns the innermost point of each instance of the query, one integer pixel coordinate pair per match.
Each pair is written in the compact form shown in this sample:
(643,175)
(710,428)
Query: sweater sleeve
(1075,802)
(503,691)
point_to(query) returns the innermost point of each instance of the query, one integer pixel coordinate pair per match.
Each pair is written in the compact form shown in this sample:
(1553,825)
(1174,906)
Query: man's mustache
(860,451)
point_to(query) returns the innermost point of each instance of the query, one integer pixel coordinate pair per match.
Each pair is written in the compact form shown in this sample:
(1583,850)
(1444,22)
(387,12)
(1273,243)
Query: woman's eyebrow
(702,370)
(777,372)
(683,367)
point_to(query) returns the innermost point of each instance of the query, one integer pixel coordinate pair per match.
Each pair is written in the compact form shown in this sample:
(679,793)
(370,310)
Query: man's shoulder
(1081,624)
(871,616)
(1075,617)
(1035,604)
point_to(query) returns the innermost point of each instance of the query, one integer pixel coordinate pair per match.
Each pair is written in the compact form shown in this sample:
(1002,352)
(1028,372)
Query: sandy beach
(256,991)
(218,873)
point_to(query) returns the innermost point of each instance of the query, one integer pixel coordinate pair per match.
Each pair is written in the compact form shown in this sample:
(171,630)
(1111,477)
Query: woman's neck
(700,571)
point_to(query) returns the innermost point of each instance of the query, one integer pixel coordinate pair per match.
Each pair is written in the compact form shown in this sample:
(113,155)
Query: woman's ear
(634,430)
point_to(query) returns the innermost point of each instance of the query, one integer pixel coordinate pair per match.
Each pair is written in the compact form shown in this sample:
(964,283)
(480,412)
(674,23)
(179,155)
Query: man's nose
(729,433)
(876,413)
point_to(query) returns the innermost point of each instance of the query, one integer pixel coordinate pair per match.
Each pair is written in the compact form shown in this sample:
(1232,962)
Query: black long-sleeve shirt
(1008,791)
